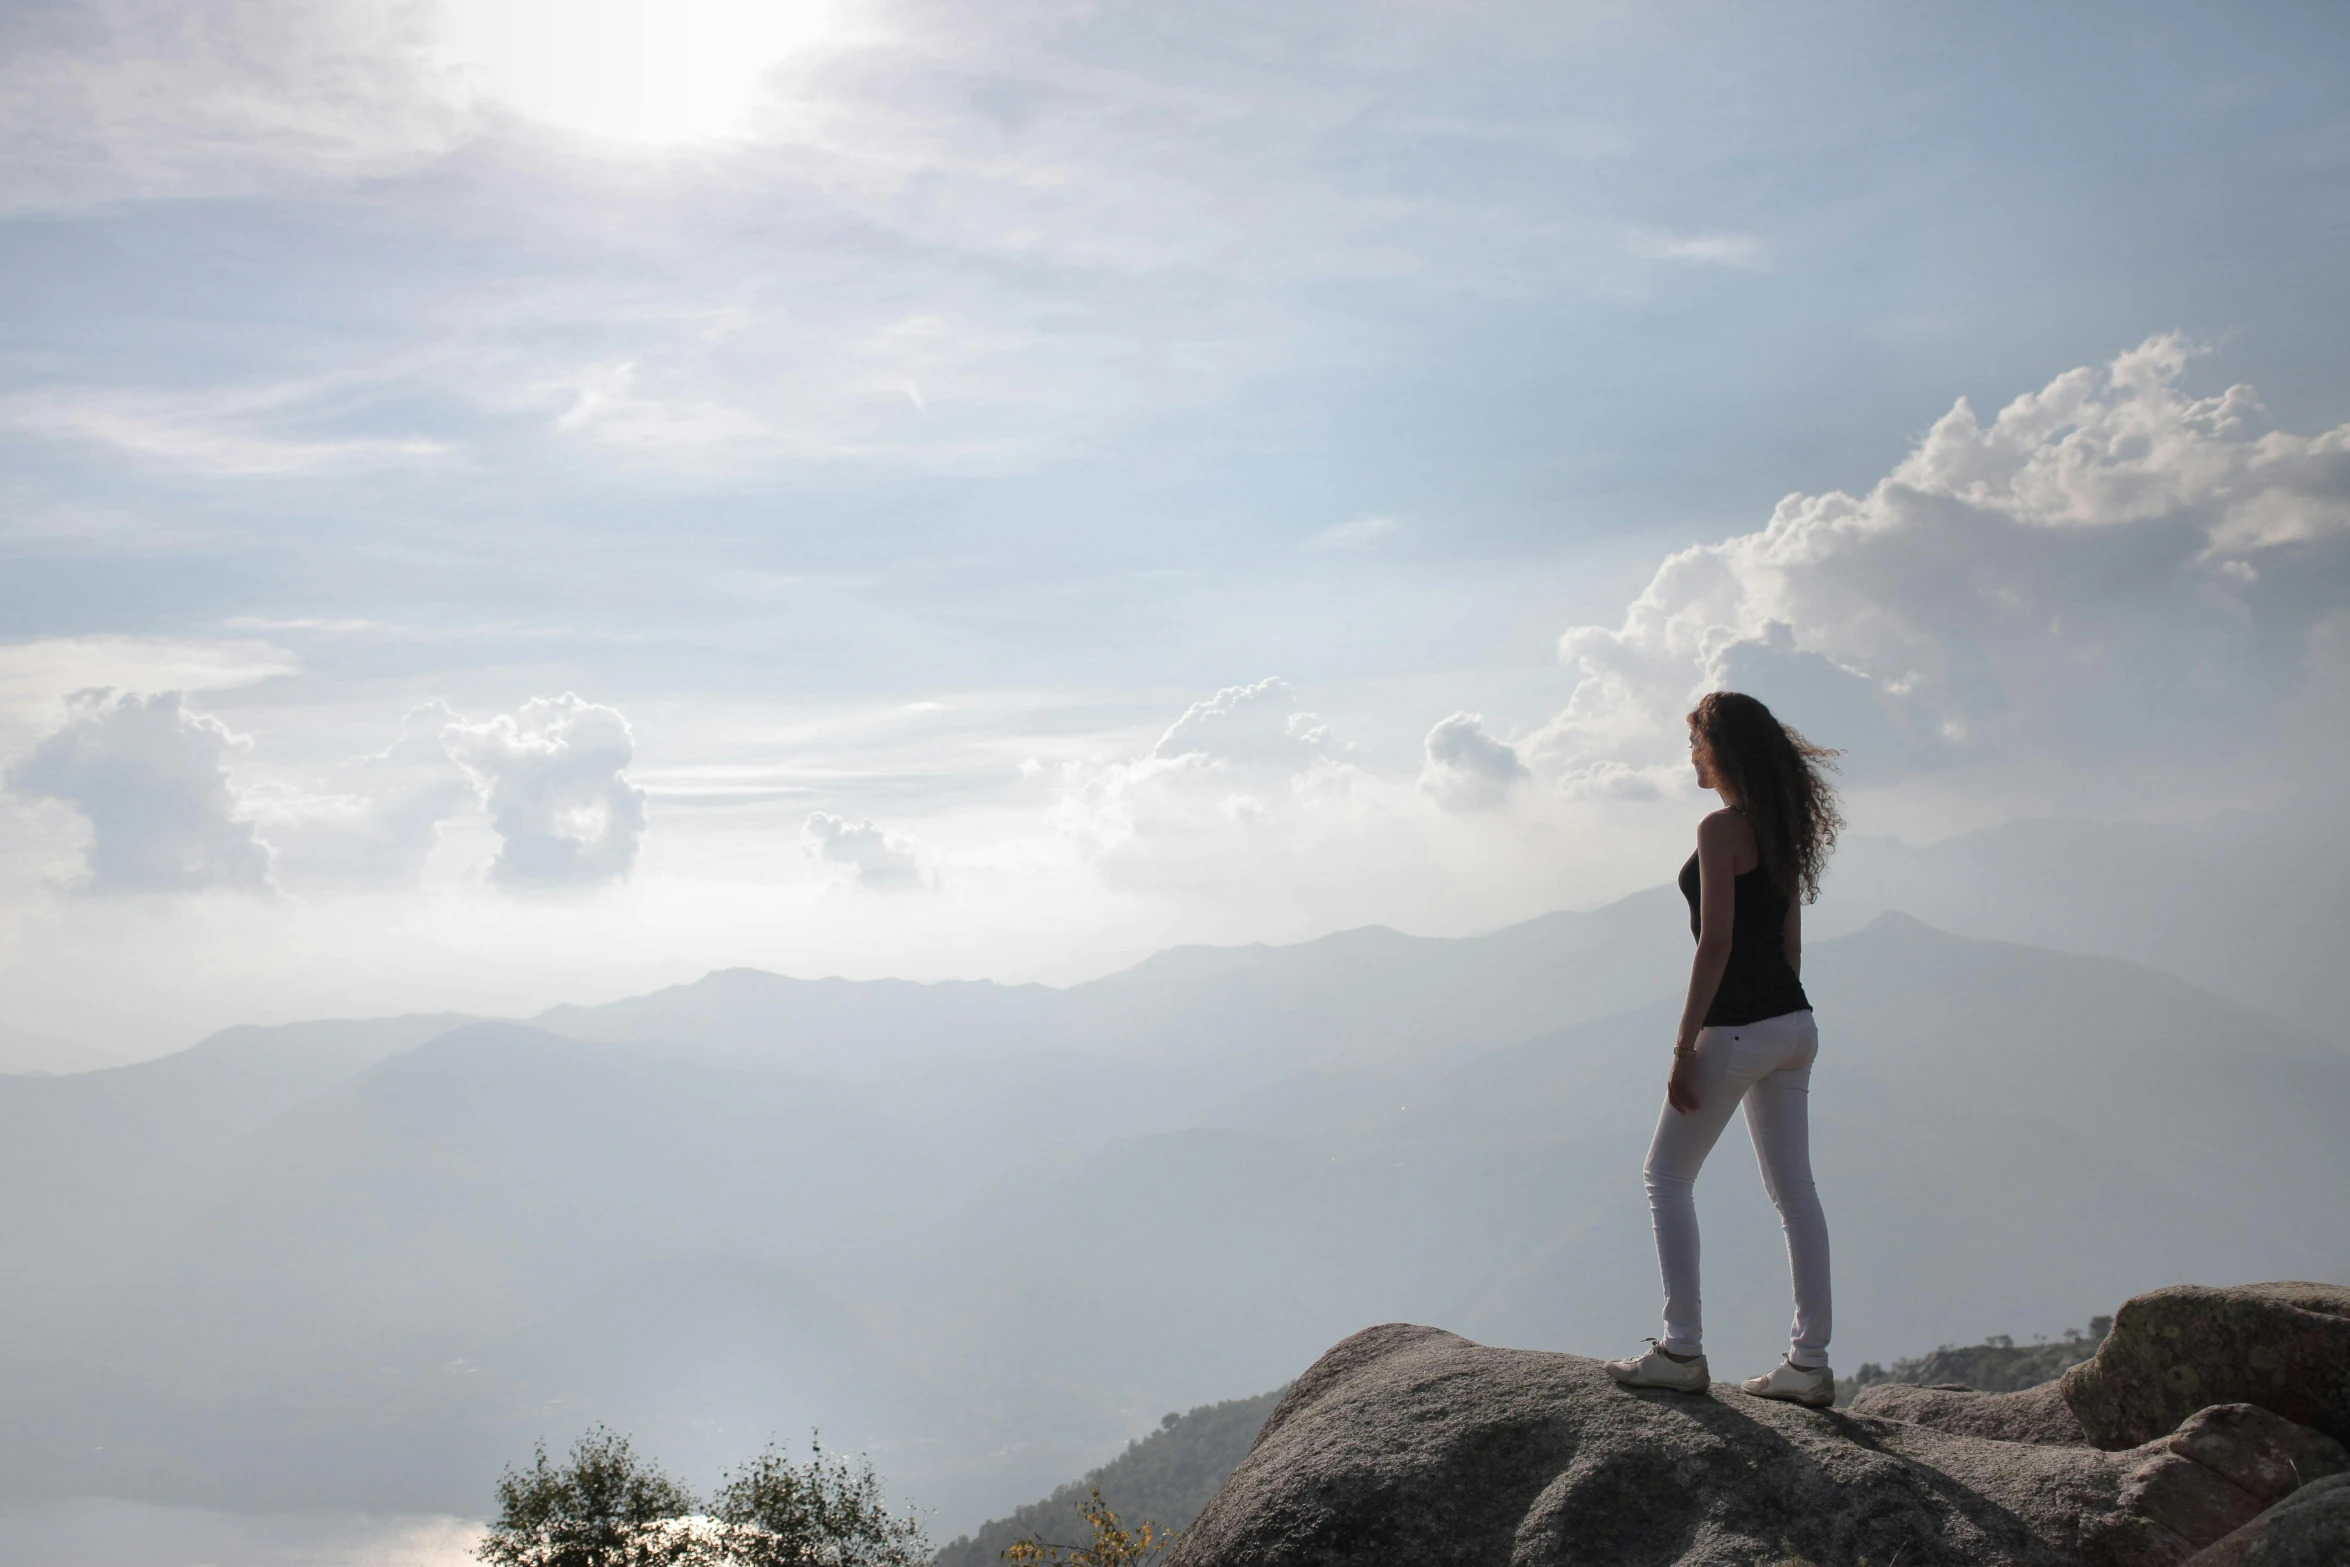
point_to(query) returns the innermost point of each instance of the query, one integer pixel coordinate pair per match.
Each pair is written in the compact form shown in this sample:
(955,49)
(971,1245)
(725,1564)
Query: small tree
(1113,1545)
(605,1508)
(823,1513)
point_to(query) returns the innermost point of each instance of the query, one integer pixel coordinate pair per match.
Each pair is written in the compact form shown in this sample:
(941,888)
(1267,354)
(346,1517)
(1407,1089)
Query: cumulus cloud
(35,676)
(1249,724)
(380,817)
(1240,779)
(2109,568)
(882,860)
(152,779)
(1467,768)
(554,778)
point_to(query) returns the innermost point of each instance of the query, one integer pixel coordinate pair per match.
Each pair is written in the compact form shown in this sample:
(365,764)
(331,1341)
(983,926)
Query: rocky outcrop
(2220,1469)
(2285,1347)
(1411,1445)
(2310,1528)
(2037,1414)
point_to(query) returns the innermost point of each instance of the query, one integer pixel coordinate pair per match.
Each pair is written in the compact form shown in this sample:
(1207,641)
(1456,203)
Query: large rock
(2310,1528)
(2221,1468)
(2037,1414)
(2285,1347)
(1411,1445)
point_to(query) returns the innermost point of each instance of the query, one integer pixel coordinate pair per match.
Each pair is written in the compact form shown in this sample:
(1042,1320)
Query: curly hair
(1779,781)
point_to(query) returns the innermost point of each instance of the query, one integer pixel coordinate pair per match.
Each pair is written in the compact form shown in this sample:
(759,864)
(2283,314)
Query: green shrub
(823,1513)
(607,1507)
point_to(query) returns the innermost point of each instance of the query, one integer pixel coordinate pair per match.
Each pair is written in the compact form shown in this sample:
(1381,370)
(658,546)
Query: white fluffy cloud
(554,777)
(1469,769)
(882,860)
(1242,780)
(152,779)
(379,819)
(1249,724)
(2111,569)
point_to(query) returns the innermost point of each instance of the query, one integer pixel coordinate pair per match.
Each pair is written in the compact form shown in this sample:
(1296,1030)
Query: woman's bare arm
(1718,842)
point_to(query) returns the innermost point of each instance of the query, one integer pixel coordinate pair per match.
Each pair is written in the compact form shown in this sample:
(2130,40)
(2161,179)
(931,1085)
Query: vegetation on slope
(1997,1365)
(1166,1478)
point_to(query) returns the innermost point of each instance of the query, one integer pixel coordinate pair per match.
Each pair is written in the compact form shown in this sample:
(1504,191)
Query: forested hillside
(1997,1365)
(1166,1477)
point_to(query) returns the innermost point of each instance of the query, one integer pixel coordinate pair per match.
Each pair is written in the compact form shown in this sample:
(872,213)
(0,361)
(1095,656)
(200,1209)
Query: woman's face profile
(1699,760)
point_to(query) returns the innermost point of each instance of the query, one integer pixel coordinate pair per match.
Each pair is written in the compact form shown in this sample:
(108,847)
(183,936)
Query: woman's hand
(1681,1087)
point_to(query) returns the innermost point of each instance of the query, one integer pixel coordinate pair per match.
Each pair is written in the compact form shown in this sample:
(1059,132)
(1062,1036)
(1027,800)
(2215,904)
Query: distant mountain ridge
(970,1229)
(2251,906)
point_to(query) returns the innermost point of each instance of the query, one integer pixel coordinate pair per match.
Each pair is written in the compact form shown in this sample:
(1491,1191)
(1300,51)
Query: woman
(1746,1033)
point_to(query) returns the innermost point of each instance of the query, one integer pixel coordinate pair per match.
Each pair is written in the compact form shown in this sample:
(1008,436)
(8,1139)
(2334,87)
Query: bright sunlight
(643,71)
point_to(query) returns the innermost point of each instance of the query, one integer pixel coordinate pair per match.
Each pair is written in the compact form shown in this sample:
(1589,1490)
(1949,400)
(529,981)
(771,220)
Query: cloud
(605,405)
(36,677)
(379,820)
(1468,769)
(1361,533)
(1743,251)
(152,779)
(115,99)
(883,861)
(1611,780)
(1257,724)
(984,163)
(221,433)
(554,777)
(300,623)
(2110,572)
(1241,780)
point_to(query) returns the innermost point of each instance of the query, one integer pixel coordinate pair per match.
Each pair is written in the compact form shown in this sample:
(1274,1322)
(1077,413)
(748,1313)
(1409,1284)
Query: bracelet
(1683,1050)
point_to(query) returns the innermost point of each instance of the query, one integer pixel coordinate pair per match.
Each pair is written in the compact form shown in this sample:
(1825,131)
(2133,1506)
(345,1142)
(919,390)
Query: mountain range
(987,1233)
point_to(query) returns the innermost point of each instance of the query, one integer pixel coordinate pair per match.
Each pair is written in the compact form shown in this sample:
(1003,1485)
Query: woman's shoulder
(1726,829)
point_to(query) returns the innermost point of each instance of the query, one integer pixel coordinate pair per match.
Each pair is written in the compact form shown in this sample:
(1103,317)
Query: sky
(504,503)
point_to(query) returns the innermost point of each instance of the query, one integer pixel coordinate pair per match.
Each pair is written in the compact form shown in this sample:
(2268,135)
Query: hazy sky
(507,501)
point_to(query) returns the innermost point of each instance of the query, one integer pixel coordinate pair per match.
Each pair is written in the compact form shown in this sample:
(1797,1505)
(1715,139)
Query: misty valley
(986,1234)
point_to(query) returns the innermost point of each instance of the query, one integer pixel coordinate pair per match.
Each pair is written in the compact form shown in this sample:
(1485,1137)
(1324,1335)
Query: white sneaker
(1658,1369)
(1814,1388)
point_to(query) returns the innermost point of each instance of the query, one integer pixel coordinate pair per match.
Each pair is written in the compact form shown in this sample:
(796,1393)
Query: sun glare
(645,71)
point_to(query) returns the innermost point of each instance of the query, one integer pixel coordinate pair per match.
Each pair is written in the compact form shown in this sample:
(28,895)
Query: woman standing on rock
(1746,1033)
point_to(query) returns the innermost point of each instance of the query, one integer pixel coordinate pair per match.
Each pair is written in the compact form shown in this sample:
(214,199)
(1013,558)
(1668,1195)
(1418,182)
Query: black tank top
(1758,983)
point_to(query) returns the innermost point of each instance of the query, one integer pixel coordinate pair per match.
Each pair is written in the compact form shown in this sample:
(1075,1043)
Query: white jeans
(1768,1064)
